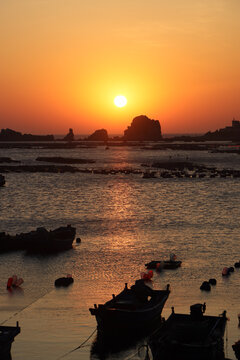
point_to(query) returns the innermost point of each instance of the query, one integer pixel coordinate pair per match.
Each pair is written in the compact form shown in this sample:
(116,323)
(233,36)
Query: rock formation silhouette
(69,136)
(99,135)
(143,128)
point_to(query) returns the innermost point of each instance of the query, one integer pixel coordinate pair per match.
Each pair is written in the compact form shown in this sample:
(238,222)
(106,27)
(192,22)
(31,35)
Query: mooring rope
(78,347)
(25,307)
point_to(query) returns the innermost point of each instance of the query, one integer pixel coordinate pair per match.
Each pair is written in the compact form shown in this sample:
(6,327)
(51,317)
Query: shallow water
(124,221)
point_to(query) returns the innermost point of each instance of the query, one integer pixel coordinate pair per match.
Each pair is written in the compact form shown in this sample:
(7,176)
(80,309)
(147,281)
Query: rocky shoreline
(39,240)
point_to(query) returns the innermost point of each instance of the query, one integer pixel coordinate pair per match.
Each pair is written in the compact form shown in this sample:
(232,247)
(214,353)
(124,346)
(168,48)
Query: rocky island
(143,129)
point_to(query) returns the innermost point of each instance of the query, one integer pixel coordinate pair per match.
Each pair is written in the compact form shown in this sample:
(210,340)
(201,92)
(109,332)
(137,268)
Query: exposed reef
(143,129)
(62,160)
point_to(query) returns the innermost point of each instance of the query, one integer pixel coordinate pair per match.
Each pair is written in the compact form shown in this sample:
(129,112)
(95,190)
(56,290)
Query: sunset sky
(63,61)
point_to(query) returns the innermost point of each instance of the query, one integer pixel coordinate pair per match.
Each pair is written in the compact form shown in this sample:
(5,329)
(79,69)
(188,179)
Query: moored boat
(133,311)
(190,337)
(7,335)
(166,264)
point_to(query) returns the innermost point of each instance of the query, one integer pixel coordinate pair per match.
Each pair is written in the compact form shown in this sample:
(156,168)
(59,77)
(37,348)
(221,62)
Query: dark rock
(63,281)
(205,286)
(212,281)
(99,135)
(39,240)
(69,136)
(38,168)
(62,160)
(237,264)
(142,129)
(227,133)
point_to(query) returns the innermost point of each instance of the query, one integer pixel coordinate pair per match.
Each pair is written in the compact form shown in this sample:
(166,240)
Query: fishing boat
(7,335)
(190,337)
(133,311)
(164,264)
(172,263)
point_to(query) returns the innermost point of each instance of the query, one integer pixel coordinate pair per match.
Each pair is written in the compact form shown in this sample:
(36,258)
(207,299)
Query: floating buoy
(225,271)
(147,276)
(212,281)
(14,277)
(205,286)
(14,282)
(9,283)
(19,282)
(64,281)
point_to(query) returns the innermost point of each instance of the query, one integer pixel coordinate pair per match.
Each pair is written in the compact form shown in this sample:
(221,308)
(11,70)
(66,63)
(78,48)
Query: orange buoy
(19,282)
(9,283)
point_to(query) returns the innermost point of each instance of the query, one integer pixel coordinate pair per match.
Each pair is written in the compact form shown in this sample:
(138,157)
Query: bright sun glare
(120,101)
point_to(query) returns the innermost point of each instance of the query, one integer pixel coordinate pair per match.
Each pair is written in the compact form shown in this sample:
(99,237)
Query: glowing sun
(120,101)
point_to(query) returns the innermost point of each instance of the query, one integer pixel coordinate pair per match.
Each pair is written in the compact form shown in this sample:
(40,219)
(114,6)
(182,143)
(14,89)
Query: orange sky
(63,61)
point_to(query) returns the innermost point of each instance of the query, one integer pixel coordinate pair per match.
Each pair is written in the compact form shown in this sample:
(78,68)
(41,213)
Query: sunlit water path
(124,221)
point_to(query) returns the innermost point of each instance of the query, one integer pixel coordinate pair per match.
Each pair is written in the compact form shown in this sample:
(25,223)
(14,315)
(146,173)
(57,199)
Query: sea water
(124,221)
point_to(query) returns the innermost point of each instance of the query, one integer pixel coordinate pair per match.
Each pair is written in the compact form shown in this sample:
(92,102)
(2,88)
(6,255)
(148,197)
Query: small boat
(190,337)
(7,335)
(133,311)
(2,180)
(167,264)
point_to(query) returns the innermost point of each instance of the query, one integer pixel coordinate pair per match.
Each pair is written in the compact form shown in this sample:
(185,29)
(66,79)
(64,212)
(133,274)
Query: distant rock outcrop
(11,135)
(143,128)
(69,136)
(231,133)
(99,135)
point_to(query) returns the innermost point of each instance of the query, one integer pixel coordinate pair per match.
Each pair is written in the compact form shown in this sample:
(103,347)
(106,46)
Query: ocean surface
(124,221)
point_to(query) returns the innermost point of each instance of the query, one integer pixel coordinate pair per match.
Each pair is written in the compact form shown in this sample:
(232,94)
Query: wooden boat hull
(166,264)
(130,319)
(190,339)
(7,335)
